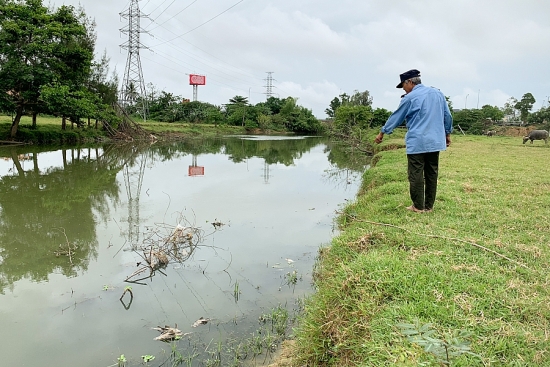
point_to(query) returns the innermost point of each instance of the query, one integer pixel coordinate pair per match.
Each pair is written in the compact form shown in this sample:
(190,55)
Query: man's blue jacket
(427,118)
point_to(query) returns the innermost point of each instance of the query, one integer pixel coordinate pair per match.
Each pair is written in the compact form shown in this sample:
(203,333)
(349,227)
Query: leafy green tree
(334,104)
(102,84)
(65,102)
(525,105)
(39,47)
(344,98)
(274,104)
(492,113)
(299,119)
(162,108)
(540,117)
(380,116)
(509,109)
(238,100)
(348,117)
(361,98)
(212,114)
(357,99)
(236,110)
(104,88)
(470,121)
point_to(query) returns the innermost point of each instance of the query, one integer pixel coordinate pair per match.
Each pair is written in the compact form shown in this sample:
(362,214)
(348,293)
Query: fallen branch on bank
(354,142)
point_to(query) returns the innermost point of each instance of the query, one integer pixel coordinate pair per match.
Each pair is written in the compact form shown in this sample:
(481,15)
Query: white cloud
(318,49)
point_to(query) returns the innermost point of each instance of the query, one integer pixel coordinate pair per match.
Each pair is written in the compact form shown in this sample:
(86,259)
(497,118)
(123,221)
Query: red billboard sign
(195,79)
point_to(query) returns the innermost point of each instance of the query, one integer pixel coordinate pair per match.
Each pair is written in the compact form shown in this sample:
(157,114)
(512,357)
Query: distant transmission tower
(269,85)
(133,92)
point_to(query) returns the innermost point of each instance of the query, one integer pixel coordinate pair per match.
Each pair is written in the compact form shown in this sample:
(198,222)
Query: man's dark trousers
(422,171)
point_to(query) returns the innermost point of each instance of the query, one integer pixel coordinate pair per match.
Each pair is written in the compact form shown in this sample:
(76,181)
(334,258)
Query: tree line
(47,67)
(280,114)
(349,114)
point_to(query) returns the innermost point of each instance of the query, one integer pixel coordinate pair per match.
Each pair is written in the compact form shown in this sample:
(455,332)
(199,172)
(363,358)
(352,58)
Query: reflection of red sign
(195,79)
(196,171)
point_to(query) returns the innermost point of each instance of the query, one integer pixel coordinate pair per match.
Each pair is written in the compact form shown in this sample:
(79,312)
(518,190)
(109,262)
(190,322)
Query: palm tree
(238,100)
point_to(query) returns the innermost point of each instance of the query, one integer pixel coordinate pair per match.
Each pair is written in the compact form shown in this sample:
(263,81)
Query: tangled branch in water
(164,244)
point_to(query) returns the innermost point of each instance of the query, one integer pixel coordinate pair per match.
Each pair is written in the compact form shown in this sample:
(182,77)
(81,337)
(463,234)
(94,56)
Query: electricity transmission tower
(133,92)
(269,85)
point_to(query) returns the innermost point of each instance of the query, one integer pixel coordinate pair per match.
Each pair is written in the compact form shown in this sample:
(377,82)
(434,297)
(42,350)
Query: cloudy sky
(476,51)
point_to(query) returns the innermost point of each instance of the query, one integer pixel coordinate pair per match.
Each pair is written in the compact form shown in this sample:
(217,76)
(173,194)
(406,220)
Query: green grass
(48,130)
(478,263)
(188,129)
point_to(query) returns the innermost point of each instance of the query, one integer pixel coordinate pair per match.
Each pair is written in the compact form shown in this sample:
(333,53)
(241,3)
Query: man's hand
(379,138)
(448,139)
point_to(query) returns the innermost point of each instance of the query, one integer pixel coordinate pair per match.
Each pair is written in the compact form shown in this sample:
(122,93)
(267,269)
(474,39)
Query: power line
(190,53)
(173,1)
(173,16)
(200,25)
(205,62)
(158,6)
(244,89)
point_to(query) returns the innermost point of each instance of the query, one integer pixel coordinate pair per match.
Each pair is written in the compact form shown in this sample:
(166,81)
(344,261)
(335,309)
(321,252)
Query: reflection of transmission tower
(266,172)
(133,86)
(133,178)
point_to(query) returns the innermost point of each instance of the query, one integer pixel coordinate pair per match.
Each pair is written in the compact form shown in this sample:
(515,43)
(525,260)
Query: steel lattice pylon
(269,85)
(133,92)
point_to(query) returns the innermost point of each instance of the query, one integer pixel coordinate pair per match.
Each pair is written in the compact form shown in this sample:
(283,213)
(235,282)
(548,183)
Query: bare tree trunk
(96,123)
(16,120)
(63,123)
(89,122)
(34,120)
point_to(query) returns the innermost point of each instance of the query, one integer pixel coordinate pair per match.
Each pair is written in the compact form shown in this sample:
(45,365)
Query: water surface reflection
(69,219)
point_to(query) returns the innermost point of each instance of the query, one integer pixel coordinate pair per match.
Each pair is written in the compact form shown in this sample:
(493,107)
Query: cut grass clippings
(474,271)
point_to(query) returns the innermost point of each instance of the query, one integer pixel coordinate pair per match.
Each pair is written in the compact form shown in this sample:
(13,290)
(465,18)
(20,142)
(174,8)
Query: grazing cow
(491,133)
(536,135)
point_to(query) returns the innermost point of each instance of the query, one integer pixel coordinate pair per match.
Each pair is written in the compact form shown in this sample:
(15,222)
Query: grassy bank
(467,284)
(176,129)
(48,131)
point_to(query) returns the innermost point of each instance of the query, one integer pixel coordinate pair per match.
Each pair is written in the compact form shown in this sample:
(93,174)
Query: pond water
(75,224)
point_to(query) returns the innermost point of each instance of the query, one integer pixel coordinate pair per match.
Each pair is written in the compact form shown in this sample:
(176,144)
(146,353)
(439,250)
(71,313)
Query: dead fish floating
(169,333)
(201,321)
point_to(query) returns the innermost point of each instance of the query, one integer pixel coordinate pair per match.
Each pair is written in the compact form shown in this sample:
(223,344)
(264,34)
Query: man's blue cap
(407,75)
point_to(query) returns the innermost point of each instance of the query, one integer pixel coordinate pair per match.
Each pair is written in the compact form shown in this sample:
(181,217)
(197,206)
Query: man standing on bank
(429,126)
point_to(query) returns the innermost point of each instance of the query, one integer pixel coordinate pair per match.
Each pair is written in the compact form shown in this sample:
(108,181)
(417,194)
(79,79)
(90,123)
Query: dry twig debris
(164,244)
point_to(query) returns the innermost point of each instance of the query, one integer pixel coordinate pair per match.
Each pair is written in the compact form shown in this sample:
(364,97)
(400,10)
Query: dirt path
(284,357)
